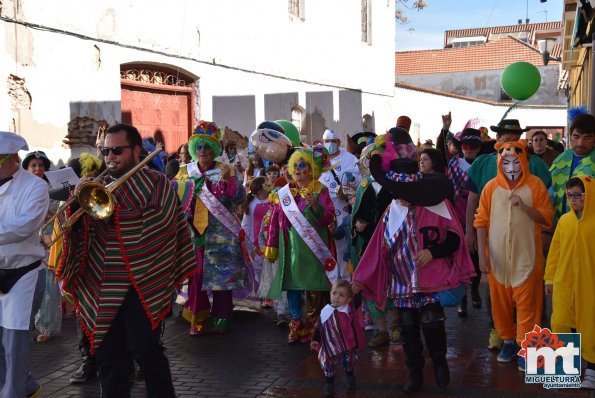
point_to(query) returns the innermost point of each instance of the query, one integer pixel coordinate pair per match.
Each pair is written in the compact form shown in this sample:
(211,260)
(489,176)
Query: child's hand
(471,238)
(315,346)
(484,263)
(423,257)
(516,201)
(356,287)
(549,289)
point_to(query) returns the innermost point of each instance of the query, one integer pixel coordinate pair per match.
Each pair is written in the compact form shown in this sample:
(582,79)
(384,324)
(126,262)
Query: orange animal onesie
(513,245)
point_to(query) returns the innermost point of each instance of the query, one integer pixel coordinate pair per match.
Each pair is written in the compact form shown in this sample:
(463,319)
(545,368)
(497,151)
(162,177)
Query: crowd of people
(336,237)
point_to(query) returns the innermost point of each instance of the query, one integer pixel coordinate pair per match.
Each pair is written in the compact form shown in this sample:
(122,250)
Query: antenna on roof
(520,21)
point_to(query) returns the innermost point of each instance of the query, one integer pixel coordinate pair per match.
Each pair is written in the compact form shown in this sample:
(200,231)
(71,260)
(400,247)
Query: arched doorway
(159,101)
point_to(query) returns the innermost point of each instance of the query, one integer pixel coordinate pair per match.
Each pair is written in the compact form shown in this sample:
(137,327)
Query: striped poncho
(146,244)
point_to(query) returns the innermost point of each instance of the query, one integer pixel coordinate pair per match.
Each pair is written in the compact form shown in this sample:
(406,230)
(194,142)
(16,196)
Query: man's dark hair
(132,134)
(539,132)
(575,182)
(584,124)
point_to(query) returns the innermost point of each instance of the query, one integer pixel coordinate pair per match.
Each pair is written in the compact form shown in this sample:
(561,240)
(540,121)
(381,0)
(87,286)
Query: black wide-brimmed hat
(36,155)
(508,126)
(426,190)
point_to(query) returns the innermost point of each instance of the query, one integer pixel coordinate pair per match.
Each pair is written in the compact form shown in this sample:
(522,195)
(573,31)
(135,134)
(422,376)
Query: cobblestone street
(254,360)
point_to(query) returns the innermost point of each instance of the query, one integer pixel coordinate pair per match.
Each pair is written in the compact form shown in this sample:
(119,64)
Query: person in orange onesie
(513,209)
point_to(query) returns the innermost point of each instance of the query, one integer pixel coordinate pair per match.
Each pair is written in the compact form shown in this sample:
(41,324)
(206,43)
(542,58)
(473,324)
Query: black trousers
(130,335)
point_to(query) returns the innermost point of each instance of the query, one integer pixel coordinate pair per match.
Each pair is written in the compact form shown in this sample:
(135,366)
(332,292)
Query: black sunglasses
(116,150)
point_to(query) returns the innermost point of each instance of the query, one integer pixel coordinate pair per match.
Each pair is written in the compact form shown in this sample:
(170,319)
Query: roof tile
(490,56)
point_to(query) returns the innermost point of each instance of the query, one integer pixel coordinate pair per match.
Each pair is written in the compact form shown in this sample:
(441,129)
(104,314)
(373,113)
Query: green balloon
(290,131)
(520,80)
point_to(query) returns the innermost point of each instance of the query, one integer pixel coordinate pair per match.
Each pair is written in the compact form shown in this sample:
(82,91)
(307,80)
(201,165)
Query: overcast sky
(426,27)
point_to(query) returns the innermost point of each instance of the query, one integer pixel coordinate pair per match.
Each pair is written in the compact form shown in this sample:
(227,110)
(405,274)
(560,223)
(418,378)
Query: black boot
(88,369)
(351,383)
(408,322)
(329,387)
(475,297)
(435,336)
(462,310)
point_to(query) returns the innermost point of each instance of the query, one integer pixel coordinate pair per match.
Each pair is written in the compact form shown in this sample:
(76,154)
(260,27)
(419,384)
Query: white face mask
(331,147)
(511,166)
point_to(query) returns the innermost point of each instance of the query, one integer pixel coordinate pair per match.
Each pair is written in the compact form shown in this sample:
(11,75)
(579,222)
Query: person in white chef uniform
(341,181)
(24,202)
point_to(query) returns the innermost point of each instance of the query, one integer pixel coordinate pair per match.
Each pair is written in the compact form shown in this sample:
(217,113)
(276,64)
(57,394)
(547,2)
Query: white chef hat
(330,135)
(11,143)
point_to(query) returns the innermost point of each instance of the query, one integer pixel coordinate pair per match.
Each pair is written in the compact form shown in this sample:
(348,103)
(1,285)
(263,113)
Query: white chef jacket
(345,162)
(24,202)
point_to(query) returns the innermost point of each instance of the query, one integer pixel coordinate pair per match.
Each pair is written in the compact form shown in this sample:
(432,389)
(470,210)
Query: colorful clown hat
(205,133)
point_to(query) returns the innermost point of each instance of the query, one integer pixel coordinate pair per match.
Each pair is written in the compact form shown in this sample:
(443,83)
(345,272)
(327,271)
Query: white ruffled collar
(328,310)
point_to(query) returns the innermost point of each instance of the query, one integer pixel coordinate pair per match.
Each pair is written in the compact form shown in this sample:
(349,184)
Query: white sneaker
(589,381)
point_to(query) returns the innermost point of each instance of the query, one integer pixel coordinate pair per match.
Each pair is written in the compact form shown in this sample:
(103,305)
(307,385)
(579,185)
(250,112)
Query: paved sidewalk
(254,360)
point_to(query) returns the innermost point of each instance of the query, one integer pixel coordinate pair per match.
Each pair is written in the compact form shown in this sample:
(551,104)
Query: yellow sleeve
(553,257)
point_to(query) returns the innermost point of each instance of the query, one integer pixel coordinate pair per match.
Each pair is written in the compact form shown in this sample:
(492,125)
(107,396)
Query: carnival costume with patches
(387,273)
(340,332)
(571,270)
(513,243)
(344,174)
(300,238)
(222,250)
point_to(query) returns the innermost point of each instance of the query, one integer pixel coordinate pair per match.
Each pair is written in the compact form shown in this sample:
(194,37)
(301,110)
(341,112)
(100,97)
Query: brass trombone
(96,199)
(69,202)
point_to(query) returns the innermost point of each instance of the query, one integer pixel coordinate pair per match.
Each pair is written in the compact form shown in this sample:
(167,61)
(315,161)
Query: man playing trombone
(24,202)
(122,270)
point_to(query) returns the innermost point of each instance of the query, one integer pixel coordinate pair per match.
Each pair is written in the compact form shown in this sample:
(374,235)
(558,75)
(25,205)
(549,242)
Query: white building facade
(73,68)
(425,108)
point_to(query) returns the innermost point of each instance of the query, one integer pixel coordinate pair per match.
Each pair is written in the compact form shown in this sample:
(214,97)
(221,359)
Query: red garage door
(158,110)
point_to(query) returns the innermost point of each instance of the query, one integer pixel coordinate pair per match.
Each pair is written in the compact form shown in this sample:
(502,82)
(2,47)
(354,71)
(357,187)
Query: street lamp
(546,45)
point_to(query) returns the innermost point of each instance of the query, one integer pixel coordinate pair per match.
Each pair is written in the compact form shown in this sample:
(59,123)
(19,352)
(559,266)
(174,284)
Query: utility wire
(491,12)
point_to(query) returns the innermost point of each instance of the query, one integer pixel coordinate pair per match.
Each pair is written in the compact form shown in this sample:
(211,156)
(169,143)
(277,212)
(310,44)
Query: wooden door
(159,103)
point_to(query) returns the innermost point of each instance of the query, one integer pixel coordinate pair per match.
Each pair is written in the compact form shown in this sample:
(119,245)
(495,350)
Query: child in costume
(338,335)
(270,268)
(570,271)
(513,209)
(416,252)
(299,236)
(254,210)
